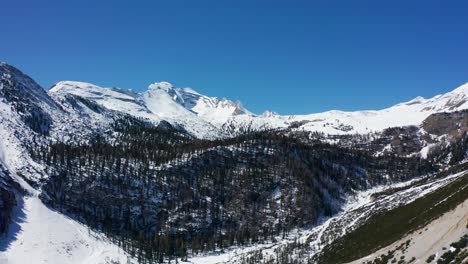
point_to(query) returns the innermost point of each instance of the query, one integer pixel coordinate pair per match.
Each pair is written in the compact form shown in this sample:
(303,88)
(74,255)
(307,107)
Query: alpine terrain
(93,174)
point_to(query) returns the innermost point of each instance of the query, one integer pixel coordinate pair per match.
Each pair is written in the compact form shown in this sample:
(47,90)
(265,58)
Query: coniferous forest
(160,193)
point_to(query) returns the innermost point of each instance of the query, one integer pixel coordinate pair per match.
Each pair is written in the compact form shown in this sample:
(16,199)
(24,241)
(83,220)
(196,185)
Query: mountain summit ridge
(209,117)
(166,102)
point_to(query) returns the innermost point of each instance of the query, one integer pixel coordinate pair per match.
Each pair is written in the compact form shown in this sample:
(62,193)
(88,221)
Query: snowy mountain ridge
(185,106)
(333,122)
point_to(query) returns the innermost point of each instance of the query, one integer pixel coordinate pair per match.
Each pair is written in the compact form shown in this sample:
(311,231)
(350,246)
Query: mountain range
(206,116)
(94,174)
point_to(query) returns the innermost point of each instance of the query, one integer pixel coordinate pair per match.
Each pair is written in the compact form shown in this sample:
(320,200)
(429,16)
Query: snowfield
(39,234)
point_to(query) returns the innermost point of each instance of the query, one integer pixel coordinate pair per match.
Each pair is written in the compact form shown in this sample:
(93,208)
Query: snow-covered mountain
(75,111)
(86,107)
(33,232)
(340,122)
(161,101)
(206,116)
(152,178)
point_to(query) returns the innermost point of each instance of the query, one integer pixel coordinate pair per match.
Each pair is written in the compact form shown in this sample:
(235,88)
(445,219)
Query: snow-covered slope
(111,98)
(162,100)
(24,111)
(211,109)
(38,234)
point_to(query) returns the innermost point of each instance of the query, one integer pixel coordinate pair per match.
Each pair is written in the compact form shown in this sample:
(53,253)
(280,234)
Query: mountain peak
(22,83)
(165,86)
(67,85)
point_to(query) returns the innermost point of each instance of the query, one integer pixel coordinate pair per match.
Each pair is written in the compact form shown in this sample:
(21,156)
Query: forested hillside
(160,193)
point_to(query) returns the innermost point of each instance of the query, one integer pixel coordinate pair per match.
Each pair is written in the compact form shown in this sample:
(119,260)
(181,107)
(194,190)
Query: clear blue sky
(289,56)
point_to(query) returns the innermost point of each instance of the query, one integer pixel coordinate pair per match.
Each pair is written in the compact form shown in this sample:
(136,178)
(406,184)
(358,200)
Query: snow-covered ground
(39,234)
